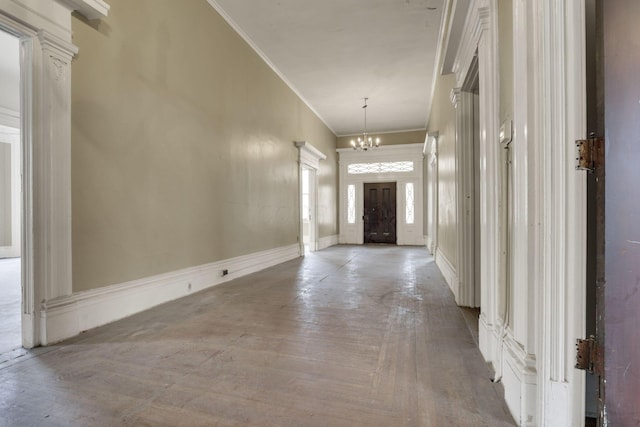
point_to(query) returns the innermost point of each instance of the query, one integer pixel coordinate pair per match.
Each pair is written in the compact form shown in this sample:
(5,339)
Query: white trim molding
(46,51)
(559,35)
(328,241)
(480,39)
(309,155)
(519,374)
(69,315)
(91,9)
(309,159)
(448,272)
(463,102)
(430,151)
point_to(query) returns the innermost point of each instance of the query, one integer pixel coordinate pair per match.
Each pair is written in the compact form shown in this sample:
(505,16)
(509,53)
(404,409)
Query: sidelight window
(410,203)
(351,204)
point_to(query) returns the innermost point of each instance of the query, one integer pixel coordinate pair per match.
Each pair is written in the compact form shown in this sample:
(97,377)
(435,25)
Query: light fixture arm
(366,142)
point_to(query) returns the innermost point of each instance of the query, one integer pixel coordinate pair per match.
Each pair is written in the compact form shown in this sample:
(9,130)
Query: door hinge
(587,157)
(589,356)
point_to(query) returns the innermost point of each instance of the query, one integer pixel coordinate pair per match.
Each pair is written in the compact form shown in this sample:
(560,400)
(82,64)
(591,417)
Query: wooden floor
(348,336)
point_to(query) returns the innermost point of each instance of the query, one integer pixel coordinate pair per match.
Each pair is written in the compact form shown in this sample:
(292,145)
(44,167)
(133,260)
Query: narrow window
(410,203)
(351,204)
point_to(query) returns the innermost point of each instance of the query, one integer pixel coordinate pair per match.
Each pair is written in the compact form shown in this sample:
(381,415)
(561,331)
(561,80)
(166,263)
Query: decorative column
(462,101)
(560,104)
(51,174)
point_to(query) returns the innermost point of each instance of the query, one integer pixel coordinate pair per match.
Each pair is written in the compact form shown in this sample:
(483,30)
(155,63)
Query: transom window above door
(379,167)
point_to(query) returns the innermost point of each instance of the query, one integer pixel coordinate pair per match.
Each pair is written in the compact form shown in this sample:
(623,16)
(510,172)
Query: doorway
(10,195)
(308,209)
(380,212)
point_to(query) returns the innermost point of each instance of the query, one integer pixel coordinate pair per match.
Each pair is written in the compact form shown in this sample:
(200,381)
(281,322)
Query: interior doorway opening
(308,209)
(10,196)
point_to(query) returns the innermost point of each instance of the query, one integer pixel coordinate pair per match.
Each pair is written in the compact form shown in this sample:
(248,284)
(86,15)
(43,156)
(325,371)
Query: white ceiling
(333,53)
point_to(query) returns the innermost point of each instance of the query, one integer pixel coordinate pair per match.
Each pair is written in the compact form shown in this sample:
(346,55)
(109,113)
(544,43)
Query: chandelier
(365,142)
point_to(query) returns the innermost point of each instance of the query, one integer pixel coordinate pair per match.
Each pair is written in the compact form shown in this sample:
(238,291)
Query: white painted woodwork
(480,36)
(92,9)
(407,234)
(532,351)
(69,315)
(463,102)
(327,241)
(511,365)
(561,109)
(309,158)
(431,152)
(44,30)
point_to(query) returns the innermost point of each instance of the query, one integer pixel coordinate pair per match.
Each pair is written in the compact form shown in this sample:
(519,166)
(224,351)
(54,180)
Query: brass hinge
(587,153)
(589,356)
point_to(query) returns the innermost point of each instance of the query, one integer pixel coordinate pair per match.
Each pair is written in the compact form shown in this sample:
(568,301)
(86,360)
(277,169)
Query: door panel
(380,212)
(619,299)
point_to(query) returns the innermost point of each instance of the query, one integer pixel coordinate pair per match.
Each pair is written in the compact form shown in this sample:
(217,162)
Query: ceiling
(333,53)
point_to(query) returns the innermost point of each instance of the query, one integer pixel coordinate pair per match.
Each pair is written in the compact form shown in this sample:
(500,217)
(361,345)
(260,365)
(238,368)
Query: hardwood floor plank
(349,336)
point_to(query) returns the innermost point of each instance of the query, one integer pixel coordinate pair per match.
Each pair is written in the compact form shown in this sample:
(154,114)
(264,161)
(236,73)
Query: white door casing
(309,158)
(431,152)
(533,352)
(46,51)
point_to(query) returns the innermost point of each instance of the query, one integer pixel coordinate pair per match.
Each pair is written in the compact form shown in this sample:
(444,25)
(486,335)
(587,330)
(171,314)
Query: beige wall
(505,54)
(443,120)
(395,138)
(182,145)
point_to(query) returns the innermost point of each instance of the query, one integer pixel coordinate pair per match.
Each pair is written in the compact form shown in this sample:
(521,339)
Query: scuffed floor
(348,336)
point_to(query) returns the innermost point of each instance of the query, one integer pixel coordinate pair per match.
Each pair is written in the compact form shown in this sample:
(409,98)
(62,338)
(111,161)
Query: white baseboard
(328,241)
(486,340)
(428,243)
(448,271)
(519,378)
(68,316)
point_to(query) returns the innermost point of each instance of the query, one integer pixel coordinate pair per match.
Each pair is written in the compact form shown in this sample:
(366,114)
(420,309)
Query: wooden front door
(618,277)
(380,212)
